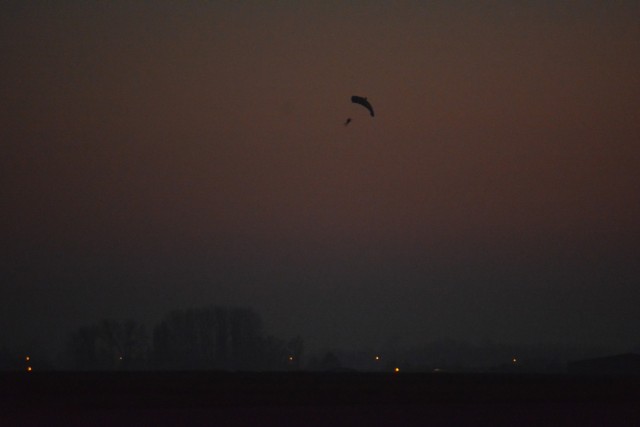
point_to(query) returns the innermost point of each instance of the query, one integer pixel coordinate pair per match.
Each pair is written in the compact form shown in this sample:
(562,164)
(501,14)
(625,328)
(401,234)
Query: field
(306,399)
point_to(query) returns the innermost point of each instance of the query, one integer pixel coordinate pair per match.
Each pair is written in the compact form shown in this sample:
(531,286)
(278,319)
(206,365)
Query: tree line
(205,338)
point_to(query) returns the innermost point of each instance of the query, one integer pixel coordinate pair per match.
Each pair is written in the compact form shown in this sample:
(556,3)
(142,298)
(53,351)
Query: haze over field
(160,155)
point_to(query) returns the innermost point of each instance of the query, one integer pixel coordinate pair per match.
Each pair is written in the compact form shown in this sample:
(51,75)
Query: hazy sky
(158,155)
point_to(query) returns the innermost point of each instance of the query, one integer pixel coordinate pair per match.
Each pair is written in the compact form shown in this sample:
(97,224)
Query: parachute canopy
(363,101)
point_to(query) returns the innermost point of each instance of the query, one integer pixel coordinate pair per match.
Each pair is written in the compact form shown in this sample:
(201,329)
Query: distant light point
(377,358)
(396,370)
(29,369)
(27,358)
(514,360)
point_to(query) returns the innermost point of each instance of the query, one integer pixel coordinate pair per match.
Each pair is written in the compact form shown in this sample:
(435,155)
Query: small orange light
(29,369)
(397,370)
(27,358)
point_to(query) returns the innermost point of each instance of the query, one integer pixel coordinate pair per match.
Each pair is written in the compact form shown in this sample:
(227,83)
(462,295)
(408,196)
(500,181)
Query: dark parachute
(363,101)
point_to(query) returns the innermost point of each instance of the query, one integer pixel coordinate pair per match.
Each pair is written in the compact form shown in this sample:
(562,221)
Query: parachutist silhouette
(348,121)
(363,101)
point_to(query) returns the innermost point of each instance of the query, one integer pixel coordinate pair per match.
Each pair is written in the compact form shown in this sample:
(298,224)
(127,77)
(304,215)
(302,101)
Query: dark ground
(305,399)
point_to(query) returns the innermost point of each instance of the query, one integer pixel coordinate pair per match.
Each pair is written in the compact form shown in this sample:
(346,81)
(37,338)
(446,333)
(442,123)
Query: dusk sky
(159,155)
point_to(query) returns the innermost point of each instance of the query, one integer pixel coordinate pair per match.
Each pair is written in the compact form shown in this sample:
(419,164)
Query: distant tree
(274,353)
(246,339)
(227,338)
(108,345)
(282,355)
